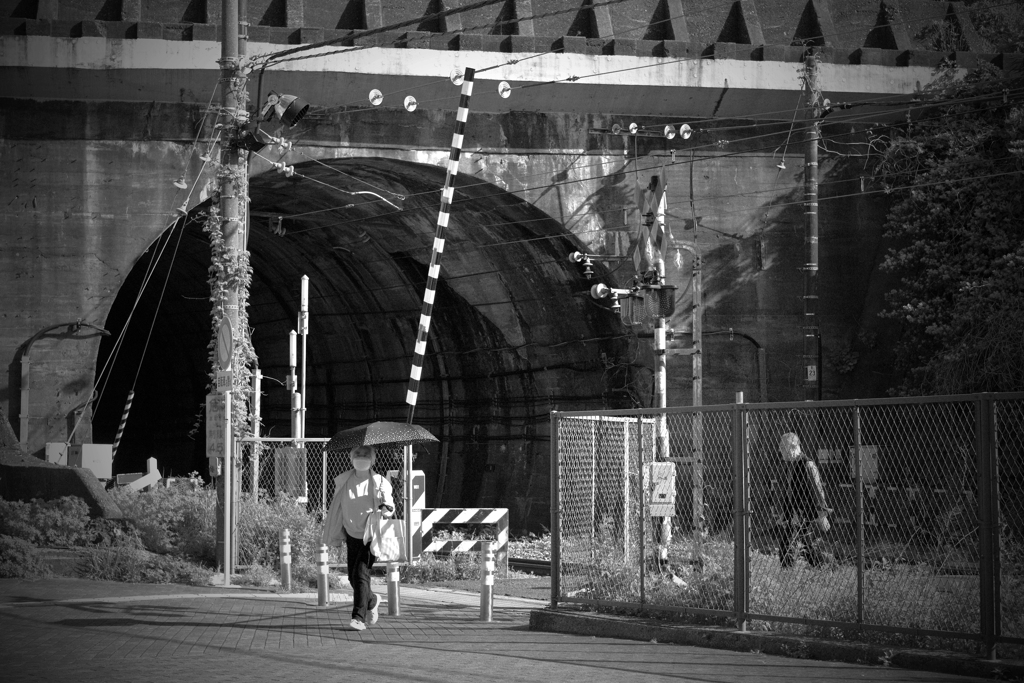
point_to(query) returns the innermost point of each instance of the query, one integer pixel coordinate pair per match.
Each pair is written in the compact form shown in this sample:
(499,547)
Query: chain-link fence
(904,517)
(289,484)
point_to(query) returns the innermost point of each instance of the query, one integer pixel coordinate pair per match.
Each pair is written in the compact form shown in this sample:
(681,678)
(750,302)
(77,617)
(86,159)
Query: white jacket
(333,533)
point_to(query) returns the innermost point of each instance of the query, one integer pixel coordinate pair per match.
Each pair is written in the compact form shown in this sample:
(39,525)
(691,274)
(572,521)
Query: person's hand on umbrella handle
(823,522)
(386,511)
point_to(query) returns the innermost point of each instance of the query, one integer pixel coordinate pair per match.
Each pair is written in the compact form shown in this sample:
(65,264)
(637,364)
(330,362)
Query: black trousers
(360,560)
(799,536)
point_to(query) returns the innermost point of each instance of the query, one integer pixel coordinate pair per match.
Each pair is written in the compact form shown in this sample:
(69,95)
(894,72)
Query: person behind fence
(802,513)
(357,493)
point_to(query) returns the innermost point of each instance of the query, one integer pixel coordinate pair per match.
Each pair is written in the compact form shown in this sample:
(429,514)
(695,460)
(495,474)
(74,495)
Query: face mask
(361,464)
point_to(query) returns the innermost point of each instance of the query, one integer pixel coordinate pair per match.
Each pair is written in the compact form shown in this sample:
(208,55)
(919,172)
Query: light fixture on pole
(289,109)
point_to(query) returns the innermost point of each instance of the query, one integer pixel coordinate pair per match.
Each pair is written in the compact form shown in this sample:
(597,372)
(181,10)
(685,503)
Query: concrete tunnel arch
(514,334)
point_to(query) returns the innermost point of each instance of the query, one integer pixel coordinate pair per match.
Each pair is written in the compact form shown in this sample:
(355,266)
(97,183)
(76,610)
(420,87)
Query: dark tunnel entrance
(514,333)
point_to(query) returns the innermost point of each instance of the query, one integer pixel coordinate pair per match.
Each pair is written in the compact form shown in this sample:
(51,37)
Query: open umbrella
(379,434)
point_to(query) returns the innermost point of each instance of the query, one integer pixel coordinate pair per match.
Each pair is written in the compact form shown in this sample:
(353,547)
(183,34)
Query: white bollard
(286,559)
(322,586)
(394,606)
(487,581)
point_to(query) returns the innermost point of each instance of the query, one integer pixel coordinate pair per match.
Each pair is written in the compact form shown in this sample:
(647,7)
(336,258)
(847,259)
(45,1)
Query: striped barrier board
(423,541)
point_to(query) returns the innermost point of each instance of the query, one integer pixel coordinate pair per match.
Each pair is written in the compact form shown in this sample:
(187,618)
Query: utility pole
(233,190)
(810,268)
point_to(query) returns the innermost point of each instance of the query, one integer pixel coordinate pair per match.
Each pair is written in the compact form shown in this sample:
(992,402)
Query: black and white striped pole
(433,272)
(120,427)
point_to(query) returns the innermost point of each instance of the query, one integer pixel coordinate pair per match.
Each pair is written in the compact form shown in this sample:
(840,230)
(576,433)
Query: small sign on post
(215,432)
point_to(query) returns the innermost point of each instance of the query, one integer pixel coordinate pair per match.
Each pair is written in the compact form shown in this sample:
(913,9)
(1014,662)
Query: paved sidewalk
(84,631)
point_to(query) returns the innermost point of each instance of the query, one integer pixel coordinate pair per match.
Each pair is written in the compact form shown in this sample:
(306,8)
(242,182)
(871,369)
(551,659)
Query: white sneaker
(357,625)
(375,610)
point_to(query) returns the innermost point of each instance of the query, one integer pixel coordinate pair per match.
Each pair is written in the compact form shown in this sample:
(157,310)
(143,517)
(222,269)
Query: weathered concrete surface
(26,477)
(767,643)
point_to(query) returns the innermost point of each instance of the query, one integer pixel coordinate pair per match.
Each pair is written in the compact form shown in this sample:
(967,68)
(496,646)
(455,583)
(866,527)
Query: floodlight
(288,108)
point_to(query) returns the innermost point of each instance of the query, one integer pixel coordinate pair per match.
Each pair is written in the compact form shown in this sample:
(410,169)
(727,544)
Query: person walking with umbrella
(357,493)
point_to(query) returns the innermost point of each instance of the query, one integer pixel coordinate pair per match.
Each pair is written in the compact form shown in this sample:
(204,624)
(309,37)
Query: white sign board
(214,426)
(224,380)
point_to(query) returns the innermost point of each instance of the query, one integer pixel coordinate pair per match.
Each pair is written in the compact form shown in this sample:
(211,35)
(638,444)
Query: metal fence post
(556,565)
(983,438)
(640,498)
(741,501)
(858,515)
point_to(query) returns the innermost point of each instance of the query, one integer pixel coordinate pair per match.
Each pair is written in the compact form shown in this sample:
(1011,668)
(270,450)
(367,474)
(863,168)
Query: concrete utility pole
(810,268)
(233,189)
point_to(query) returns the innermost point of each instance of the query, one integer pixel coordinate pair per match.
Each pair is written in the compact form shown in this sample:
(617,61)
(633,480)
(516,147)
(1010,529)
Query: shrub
(126,560)
(179,519)
(60,522)
(19,559)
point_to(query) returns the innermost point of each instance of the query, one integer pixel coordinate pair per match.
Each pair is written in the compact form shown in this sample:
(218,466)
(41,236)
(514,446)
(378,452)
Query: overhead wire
(715,144)
(464,199)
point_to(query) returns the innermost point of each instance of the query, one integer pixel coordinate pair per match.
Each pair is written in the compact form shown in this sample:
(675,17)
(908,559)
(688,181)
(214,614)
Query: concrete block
(965,60)
(874,56)
(529,44)
(386,39)
(416,39)
(443,42)
(57,453)
(89,29)
(928,58)
(37,27)
(306,36)
(1010,62)
(205,32)
(580,45)
(481,42)
(679,49)
(269,34)
(148,29)
(741,51)
(97,457)
(26,477)
(179,31)
(783,53)
(338,34)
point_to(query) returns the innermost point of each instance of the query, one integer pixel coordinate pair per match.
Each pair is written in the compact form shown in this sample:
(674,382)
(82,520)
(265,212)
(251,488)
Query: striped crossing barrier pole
(434,270)
(124,419)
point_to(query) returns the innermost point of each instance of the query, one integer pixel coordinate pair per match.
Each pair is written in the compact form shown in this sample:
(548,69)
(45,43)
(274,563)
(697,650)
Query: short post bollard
(394,606)
(487,581)
(285,546)
(322,587)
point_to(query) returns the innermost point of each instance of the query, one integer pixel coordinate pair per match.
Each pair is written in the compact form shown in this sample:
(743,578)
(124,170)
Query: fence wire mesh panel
(798,468)
(919,465)
(699,572)
(894,520)
(1009,447)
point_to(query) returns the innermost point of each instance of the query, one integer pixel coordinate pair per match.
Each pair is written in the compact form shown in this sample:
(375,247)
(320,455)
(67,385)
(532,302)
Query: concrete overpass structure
(106,104)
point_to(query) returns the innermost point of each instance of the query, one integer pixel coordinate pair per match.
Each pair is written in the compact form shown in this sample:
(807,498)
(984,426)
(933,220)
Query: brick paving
(179,634)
